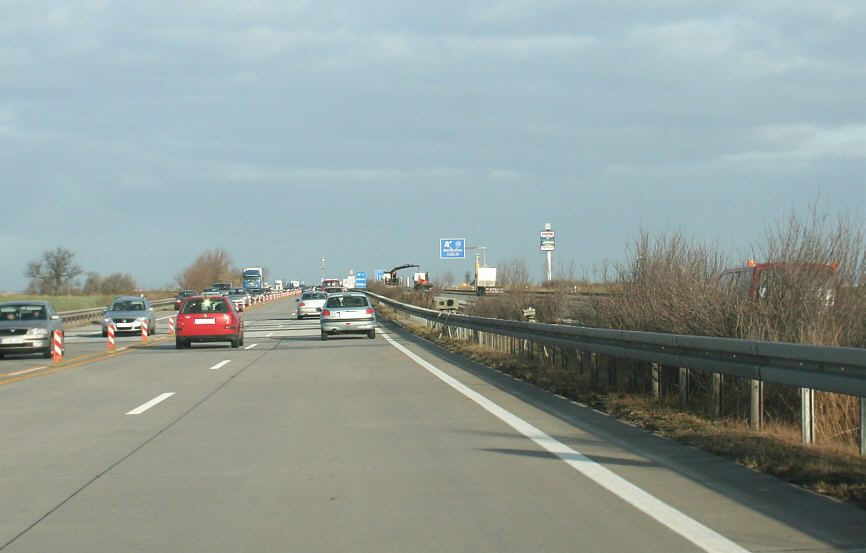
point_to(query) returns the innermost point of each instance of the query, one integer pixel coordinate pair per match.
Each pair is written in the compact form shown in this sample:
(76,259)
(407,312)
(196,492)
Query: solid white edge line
(251,346)
(25,371)
(677,521)
(158,399)
(221,364)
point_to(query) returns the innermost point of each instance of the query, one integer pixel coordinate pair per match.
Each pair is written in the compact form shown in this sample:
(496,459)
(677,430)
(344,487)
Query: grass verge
(775,450)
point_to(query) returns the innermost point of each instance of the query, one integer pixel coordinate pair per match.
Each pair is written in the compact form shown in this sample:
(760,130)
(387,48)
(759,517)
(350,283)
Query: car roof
(26,302)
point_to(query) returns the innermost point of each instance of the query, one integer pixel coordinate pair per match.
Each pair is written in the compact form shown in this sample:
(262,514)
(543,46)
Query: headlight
(38,332)
(106,321)
(141,319)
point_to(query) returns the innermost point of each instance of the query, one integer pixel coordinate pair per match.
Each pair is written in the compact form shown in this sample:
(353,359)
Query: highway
(294,444)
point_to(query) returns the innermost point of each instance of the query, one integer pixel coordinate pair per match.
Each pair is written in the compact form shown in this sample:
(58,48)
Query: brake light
(326,313)
(302,304)
(369,311)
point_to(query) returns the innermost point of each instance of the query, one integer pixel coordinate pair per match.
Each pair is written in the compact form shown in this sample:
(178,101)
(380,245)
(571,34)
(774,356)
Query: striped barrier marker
(144,331)
(111,336)
(171,325)
(57,347)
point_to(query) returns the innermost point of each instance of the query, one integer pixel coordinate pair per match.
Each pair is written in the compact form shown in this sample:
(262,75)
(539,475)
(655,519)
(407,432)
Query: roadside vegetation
(671,284)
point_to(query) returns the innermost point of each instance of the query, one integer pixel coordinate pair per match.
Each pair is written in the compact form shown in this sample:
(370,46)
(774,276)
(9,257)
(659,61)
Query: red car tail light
(369,311)
(326,313)
(302,304)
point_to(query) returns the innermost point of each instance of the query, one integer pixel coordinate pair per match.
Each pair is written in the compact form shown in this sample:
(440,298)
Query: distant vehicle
(422,281)
(129,314)
(183,294)
(27,326)
(348,312)
(331,285)
(761,281)
(224,286)
(253,277)
(278,285)
(485,280)
(240,297)
(213,292)
(209,319)
(310,304)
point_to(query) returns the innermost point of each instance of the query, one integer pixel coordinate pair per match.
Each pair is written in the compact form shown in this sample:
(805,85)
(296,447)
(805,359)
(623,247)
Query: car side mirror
(105,310)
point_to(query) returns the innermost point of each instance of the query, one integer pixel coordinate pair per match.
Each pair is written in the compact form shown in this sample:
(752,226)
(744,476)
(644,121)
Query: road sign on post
(361,279)
(452,248)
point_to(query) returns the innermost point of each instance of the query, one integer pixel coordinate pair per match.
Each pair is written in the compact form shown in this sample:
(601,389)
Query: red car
(209,319)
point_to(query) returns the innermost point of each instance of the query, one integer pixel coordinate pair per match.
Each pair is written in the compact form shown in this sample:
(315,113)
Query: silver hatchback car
(310,304)
(348,312)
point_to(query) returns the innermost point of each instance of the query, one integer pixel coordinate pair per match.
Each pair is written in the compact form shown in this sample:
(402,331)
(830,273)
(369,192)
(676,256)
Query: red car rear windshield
(205,305)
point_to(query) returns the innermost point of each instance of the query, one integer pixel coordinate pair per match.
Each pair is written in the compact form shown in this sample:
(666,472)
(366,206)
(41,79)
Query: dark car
(26,327)
(182,295)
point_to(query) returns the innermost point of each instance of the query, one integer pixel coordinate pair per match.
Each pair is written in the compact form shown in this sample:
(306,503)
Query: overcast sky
(139,134)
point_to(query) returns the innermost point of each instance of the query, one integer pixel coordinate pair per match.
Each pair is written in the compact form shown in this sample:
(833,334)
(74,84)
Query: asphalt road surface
(294,444)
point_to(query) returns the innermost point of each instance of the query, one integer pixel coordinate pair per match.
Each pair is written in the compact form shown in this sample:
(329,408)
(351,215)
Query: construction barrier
(144,331)
(57,345)
(111,336)
(171,325)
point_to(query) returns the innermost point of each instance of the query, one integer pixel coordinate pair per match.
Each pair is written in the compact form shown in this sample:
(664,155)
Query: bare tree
(210,266)
(54,273)
(118,284)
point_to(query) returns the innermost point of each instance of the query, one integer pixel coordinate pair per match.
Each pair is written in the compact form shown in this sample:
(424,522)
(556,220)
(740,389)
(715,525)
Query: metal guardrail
(840,370)
(94,314)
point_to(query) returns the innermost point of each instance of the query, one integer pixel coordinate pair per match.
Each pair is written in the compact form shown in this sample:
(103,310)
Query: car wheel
(300,316)
(235,342)
(242,340)
(2,355)
(104,333)
(324,335)
(178,343)
(371,333)
(47,353)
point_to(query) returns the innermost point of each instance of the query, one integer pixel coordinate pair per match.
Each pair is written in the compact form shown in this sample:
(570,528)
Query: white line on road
(251,346)
(29,370)
(221,364)
(692,530)
(158,399)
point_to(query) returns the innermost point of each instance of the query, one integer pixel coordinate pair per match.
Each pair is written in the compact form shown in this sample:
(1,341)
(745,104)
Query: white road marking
(28,370)
(221,364)
(158,399)
(687,527)
(251,346)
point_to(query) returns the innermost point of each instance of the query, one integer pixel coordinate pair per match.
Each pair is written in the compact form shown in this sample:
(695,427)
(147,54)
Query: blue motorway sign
(361,279)
(452,248)
(380,275)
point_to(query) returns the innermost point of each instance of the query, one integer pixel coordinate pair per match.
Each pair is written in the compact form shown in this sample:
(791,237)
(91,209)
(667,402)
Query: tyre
(324,335)
(242,340)
(178,343)
(236,342)
(104,333)
(47,353)
(371,333)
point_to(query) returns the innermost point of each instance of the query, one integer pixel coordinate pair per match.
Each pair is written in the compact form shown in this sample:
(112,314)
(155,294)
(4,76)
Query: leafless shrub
(210,266)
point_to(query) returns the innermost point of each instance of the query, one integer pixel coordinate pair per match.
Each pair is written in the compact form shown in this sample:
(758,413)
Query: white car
(310,304)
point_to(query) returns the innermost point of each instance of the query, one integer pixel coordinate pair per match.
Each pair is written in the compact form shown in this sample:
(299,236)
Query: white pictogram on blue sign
(452,248)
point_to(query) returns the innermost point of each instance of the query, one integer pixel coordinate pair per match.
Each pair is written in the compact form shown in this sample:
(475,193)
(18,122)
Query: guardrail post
(716,396)
(807,415)
(684,387)
(593,367)
(611,371)
(656,377)
(756,413)
(863,426)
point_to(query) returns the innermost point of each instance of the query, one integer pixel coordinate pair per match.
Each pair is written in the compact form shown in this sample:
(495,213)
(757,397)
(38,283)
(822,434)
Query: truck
(421,281)
(485,281)
(253,277)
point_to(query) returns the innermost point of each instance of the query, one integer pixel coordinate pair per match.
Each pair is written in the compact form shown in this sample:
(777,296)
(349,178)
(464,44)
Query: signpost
(452,248)
(548,244)
(361,279)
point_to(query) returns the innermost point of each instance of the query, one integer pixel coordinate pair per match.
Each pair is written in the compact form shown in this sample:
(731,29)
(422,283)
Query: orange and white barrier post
(144,331)
(57,346)
(111,336)
(171,325)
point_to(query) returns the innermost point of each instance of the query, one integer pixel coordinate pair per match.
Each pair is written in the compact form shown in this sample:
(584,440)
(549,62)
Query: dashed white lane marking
(158,399)
(221,364)
(687,527)
(251,346)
